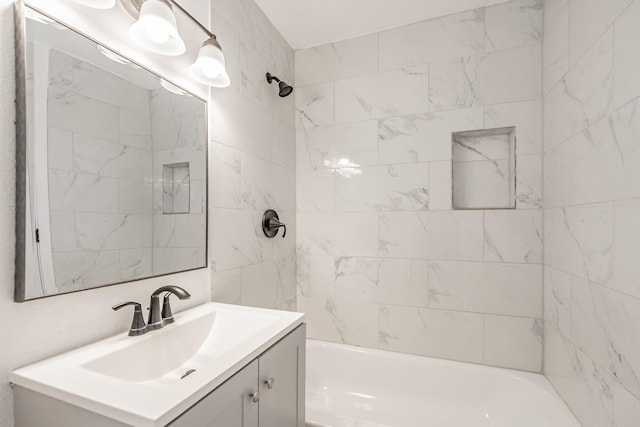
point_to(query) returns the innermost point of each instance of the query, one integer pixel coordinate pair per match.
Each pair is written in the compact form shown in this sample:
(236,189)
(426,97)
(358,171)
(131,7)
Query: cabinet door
(282,382)
(229,405)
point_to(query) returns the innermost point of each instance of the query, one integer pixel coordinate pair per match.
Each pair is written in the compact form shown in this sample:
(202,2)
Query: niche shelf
(484,169)
(176,188)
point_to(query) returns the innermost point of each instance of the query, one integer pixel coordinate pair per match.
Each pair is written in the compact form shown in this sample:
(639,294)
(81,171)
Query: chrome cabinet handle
(269,383)
(255,396)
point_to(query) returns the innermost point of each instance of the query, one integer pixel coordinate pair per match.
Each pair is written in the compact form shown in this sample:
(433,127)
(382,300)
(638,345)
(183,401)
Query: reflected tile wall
(252,158)
(591,199)
(100,175)
(382,259)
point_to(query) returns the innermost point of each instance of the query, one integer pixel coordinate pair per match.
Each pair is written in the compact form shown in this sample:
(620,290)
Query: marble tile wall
(383,260)
(591,64)
(177,130)
(251,162)
(99,175)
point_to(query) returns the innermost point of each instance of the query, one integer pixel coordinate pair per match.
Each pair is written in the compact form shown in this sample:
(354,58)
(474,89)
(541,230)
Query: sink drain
(186,374)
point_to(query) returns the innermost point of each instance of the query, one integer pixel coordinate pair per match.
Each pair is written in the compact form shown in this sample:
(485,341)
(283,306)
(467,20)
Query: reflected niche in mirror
(114,169)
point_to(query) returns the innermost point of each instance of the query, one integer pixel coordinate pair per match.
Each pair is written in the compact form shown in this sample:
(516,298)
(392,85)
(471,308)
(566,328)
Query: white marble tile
(513,342)
(224,172)
(585,387)
(135,164)
(281,58)
(499,77)
(314,105)
(619,317)
(112,231)
(626,407)
(228,113)
(316,275)
(63,231)
(178,130)
(247,19)
(455,35)
(373,97)
(136,263)
(190,231)
(315,191)
(513,24)
(170,260)
(82,270)
(135,130)
(234,241)
(626,269)
(626,55)
(403,282)
(424,137)
(529,182)
(59,149)
(71,74)
(525,116)
(266,186)
(69,191)
(261,285)
(483,184)
(340,234)
(558,176)
(79,114)
(226,286)
(555,43)
(432,235)
(510,75)
(588,19)
(440,187)
(557,300)
(348,322)
(284,142)
(583,97)
(135,197)
(481,287)
(625,124)
(336,61)
(252,76)
(343,145)
(435,333)
(579,240)
(357,279)
(513,236)
(97,156)
(383,188)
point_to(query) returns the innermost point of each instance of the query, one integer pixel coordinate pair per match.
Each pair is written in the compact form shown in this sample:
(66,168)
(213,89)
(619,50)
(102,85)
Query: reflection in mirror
(115,167)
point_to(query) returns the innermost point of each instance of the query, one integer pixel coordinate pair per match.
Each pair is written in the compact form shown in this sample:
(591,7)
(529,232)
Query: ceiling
(306,23)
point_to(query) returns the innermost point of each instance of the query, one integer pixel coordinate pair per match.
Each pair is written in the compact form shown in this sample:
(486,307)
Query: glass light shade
(97,4)
(156,29)
(209,66)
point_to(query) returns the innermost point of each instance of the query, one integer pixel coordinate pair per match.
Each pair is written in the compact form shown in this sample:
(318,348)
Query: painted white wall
(592,208)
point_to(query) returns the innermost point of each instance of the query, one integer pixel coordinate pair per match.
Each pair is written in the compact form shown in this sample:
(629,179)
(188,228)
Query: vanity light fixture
(97,4)
(156,29)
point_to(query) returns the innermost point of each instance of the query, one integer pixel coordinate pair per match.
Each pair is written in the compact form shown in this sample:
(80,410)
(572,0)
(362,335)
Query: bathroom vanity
(217,365)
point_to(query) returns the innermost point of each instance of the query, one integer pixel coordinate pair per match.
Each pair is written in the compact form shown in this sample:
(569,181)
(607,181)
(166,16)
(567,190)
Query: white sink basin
(151,379)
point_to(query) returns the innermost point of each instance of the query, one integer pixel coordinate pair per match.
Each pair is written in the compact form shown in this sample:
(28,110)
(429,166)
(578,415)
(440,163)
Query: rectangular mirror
(111,166)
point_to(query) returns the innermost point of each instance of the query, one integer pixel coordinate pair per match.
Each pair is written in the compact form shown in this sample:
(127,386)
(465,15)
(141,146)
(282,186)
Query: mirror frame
(21,154)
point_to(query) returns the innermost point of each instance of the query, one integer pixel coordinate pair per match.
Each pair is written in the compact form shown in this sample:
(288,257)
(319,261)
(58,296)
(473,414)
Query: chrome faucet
(158,318)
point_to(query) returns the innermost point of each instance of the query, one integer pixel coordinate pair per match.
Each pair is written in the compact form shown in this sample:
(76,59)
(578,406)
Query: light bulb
(156,30)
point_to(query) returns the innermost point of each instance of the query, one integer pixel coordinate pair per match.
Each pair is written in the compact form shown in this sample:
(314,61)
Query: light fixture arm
(192,18)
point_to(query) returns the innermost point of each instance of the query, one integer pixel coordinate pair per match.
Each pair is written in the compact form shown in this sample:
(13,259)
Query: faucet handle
(138,327)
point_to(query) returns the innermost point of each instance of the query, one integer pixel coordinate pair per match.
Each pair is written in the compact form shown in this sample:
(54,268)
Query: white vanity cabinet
(269,392)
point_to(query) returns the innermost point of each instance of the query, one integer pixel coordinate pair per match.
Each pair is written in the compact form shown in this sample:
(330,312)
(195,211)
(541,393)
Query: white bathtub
(355,387)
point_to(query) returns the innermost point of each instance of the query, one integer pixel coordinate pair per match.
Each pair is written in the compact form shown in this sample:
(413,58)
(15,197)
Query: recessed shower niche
(175,188)
(484,169)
